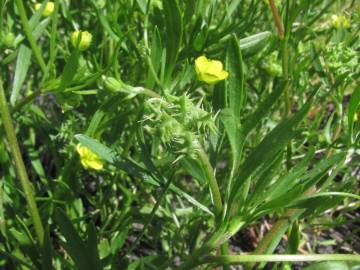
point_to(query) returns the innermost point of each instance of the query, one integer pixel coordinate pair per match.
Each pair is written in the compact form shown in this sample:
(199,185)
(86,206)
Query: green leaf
(22,65)
(329,266)
(263,109)
(232,7)
(24,56)
(174,31)
(155,55)
(74,245)
(69,71)
(290,179)
(194,168)
(289,189)
(118,240)
(105,23)
(233,130)
(294,238)
(101,150)
(47,251)
(235,82)
(308,200)
(270,146)
(255,43)
(266,175)
(92,246)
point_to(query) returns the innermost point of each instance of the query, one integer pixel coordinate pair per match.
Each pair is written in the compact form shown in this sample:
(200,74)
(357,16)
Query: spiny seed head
(178,122)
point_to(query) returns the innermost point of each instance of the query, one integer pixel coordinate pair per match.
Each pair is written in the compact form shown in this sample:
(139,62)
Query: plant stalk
(214,187)
(239,259)
(20,167)
(277,19)
(28,33)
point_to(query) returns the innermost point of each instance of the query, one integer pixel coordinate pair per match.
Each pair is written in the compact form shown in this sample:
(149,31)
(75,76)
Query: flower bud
(117,85)
(113,84)
(84,41)
(48,10)
(340,21)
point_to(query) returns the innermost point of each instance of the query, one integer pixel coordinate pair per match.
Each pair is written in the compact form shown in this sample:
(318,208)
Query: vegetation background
(117,152)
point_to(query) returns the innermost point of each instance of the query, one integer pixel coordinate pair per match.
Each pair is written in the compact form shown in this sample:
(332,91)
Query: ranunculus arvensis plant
(179,134)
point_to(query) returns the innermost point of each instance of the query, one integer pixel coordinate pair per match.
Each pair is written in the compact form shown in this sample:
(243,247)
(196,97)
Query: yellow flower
(48,10)
(340,21)
(85,40)
(210,71)
(89,159)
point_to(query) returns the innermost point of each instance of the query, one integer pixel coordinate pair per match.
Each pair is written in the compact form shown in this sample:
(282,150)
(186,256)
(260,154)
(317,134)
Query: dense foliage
(148,134)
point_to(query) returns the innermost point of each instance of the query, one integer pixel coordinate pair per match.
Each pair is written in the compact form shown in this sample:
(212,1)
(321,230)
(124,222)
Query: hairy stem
(20,167)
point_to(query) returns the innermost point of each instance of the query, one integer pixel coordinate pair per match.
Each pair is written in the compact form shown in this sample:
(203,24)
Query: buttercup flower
(85,41)
(89,159)
(340,21)
(49,8)
(210,71)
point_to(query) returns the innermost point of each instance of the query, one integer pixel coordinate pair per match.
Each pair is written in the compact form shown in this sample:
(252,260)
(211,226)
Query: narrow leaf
(22,65)
(274,142)
(235,83)
(173,25)
(98,148)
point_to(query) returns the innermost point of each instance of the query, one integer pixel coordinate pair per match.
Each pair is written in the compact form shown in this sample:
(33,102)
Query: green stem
(239,259)
(20,167)
(214,187)
(285,66)
(28,33)
(54,18)
(225,252)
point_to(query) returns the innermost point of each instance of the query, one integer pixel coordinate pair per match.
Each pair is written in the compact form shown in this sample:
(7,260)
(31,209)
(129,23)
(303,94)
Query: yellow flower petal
(81,149)
(92,164)
(201,64)
(209,71)
(214,67)
(89,159)
(223,75)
